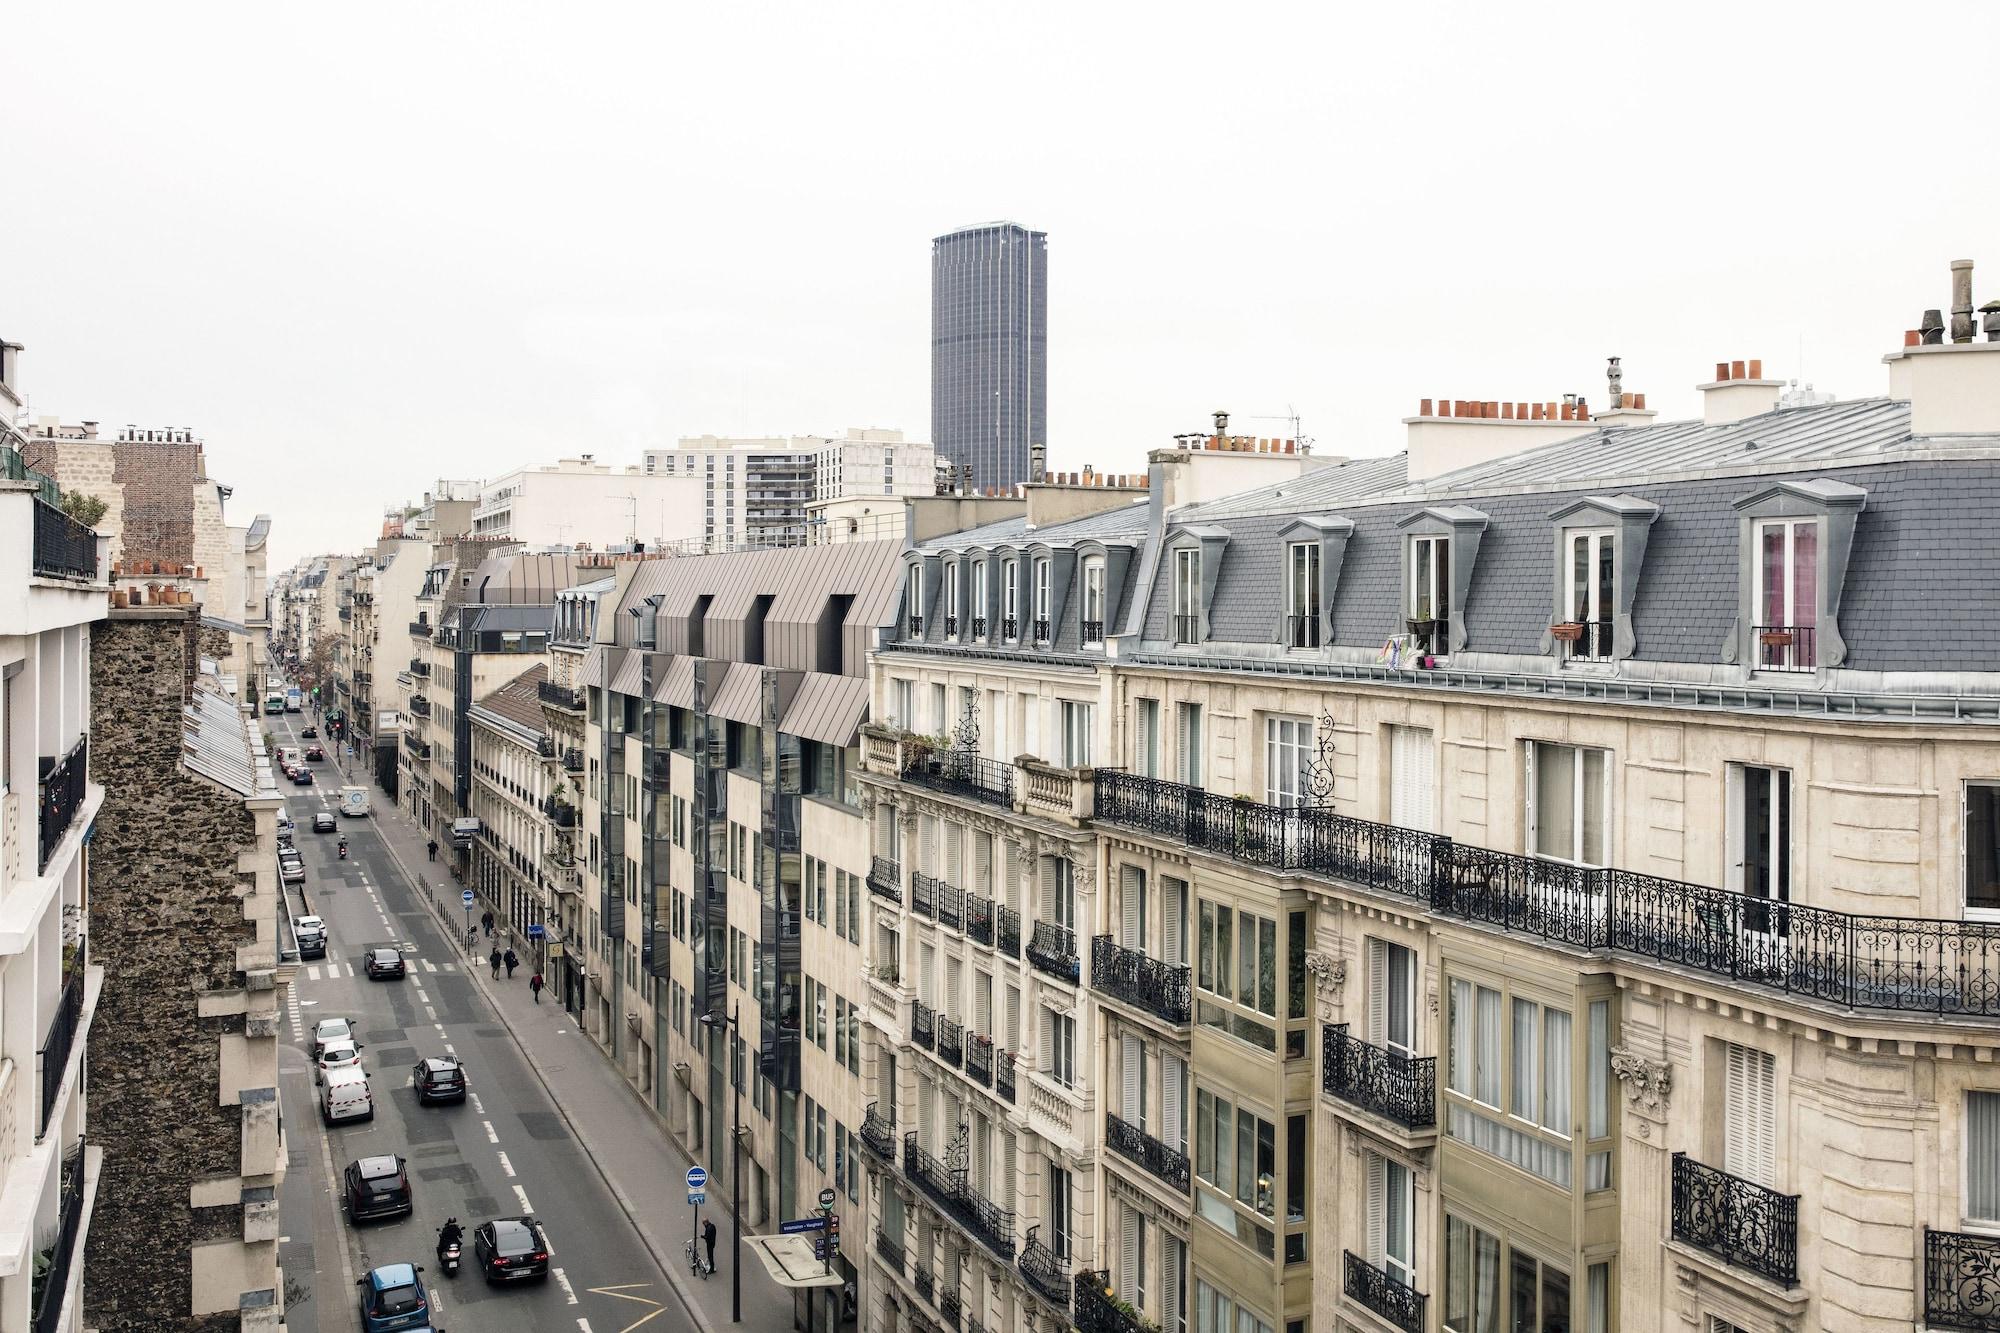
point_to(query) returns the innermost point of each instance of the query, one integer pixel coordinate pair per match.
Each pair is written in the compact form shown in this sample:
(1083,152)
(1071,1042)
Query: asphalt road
(504,1152)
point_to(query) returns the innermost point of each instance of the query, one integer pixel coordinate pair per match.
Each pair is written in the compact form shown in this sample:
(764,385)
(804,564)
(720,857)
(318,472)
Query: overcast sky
(364,246)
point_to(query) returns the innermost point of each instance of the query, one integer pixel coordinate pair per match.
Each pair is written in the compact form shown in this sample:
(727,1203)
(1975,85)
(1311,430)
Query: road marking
(583,1325)
(429,966)
(430,1012)
(450,1048)
(491,1136)
(562,1280)
(477,1109)
(522,1195)
(312,974)
(508,1167)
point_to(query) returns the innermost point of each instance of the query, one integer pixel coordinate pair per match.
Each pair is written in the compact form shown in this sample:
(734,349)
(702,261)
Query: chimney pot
(1506,411)
(1722,370)
(1568,412)
(1756,370)
(1639,401)
(1424,408)
(1538,411)
(1913,337)
(1736,371)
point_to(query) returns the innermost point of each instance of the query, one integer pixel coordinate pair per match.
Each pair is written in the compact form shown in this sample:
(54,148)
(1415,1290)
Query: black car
(309,733)
(314,753)
(438,1079)
(386,963)
(378,1187)
(323,821)
(302,777)
(509,1248)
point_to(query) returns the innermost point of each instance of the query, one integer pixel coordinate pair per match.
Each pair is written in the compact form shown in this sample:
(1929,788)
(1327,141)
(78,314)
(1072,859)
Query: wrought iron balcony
(1785,647)
(979,627)
(979,1059)
(1302,631)
(1010,628)
(1047,1274)
(1584,640)
(923,895)
(951,627)
(1135,1144)
(420,628)
(1096,1312)
(879,1134)
(950,905)
(885,879)
(1187,629)
(1093,631)
(949,1306)
(979,919)
(1007,931)
(1736,1220)
(420,668)
(545,746)
(1042,634)
(1052,949)
(923,1025)
(420,705)
(949,1189)
(950,1040)
(559,696)
(1003,1074)
(890,1250)
(1961,1281)
(961,773)
(1375,1078)
(63,784)
(560,813)
(1896,963)
(926,1285)
(64,548)
(61,1041)
(1161,989)
(1400,1304)
(916,628)
(572,760)
(52,1283)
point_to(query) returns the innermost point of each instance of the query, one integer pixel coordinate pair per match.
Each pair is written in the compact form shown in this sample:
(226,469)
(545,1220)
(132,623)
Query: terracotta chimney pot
(1506,411)
(1913,337)
(1568,412)
(1756,370)
(1722,370)
(1639,401)
(1424,408)
(1737,371)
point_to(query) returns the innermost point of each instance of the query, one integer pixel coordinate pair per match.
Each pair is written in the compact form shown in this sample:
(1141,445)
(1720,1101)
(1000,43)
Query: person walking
(495,960)
(535,985)
(486,920)
(432,848)
(513,961)
(708,1239)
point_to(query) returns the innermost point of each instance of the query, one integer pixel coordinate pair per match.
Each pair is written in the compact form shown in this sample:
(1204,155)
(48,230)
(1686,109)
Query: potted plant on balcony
(1567,631)
(1775,638)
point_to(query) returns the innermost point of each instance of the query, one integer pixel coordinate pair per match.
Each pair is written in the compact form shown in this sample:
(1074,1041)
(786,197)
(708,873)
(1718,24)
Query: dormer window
(1010,601)
(1187,595)
(1302,584)
(951,600)
(913,602)
(1430,593)
(1093,600)
(1590,595)
(1787,605)
(1042,634)
(979,600)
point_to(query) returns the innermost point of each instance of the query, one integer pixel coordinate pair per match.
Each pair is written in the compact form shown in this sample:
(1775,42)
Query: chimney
(1451,433)
(1953,388)
(1627,410)
(1738,391)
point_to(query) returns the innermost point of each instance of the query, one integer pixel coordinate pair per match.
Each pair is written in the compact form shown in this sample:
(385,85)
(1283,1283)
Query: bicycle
(695,1265)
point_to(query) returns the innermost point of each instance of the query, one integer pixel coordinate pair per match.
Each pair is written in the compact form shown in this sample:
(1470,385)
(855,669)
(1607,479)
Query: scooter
(343,849)
(447,1253)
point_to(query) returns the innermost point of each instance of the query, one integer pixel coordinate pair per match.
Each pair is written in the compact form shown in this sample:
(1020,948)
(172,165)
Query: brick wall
(166,920)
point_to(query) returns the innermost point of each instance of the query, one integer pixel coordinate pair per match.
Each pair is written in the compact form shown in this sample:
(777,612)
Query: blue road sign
(466,897)
(799,1224)
(696,1198)
(535,931)
(697,1178)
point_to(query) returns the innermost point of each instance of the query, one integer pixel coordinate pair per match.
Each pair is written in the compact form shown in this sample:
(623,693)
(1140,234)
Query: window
(1146,739)
(1536,1298)
(1750,1114)
(913,600)
(1287,747)
(1982,1157)
(1059,1206)
(1059,1047)
(1760,838)
(1093,600)
(1235,1151)
(1392,995)
(1522,1076)
(1076,723)
(1569,793)
(903,704)
(951,597)
(1787,606)
(1215,1312)
(1010,599)
(1430,592)
(1187,595)
(1043,630)
(1982,847)
(1392,1208)
(1302,621)
(1591,596)
(1188,751)
(979,597)
(1412,779)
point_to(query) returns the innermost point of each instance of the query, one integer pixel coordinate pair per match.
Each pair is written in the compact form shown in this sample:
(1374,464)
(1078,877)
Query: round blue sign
(697,1177)
(466,897)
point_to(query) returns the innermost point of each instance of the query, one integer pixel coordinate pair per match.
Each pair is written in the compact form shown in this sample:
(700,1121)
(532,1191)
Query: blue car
(393,1297)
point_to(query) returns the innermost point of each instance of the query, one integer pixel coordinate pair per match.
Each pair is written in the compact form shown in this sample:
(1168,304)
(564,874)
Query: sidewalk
(646,1171)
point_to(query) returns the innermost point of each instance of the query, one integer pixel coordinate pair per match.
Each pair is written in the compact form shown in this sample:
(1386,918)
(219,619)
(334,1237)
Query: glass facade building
(989,349)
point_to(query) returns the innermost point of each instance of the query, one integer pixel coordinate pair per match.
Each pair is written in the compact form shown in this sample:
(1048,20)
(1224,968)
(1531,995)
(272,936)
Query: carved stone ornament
(1648,1082)
(906,820)
(1329,975)
(867,802)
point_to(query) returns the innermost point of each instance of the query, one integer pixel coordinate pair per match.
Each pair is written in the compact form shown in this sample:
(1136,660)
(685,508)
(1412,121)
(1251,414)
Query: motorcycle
(448,1251)
(343,849)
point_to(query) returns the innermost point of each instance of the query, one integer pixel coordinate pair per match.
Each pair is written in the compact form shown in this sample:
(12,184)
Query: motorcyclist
(343,849)
(450,1234)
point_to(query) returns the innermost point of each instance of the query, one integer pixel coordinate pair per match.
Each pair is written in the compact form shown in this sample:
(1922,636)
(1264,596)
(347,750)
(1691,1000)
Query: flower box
(1775,638)
(1568,631)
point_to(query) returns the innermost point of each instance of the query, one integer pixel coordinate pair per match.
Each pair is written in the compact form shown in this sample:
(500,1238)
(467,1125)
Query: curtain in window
(1555,801)
(1556,1091)
(1805,576)
(1982,1156)
(1487,1064)
(1458,1040)
(1524,1080)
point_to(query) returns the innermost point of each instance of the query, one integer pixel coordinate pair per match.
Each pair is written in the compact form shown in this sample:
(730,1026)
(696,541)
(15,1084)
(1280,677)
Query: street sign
(799,1224)
(466,897)
(696,1198)
(534,930)
(826,1197)
(697,1177)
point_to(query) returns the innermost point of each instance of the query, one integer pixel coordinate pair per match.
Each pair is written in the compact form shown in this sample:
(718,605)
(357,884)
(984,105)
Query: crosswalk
(335,971)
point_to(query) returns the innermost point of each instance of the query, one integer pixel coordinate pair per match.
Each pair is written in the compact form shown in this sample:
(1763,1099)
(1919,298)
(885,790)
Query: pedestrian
(486,920)
(513,961)
(432,848)
(495,960)
(708,1239)
(535,985)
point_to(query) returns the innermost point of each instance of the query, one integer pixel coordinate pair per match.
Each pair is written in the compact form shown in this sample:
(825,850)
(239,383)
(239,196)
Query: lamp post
(736,1076)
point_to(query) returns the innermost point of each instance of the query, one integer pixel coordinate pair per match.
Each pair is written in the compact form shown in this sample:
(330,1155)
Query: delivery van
(354,801)
(345,1095)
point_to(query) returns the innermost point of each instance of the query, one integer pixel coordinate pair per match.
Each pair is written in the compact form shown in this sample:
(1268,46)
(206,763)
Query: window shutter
(1045,880)
(1013,1034)
(1378,992)
(1413,788)
(1173,1097)
(927,845)
(1378,1206)
(1173,929)
(954,855)
(1132,1064)
(1010,874)
(1751,1115)
(1006,1171)
(982,873)
(1128,1253)
(1131,900)
(1173,1270)
(1045,1059)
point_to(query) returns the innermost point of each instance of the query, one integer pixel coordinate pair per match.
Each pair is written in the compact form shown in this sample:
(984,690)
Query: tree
(316,665)
(84,507)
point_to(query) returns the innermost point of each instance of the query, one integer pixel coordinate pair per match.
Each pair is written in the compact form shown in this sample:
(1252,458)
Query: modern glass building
(989,349)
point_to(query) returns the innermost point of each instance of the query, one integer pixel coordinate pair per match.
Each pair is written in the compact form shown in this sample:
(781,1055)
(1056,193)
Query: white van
(345,1096)
(354,801)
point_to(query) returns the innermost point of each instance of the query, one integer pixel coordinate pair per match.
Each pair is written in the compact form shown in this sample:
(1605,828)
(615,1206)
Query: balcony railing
(990,1224)
(950,1040)
(1430,636)
(890,1250)
(1052,949)
(420,668)
(420,628)
(949,1306)
(1187,629)
(1375,1078)
(572,760)
(1042,629)
(559,696)
(1010,628)
(64,548)
(52,1283)
(420,705)
(1737,1220)
(1302,631)
(1400,1304)
(979,627)
(878,1134)
(561,814)
(926,1285)
(885,878)
(961,773)
(1095,1310)
(545,746)
(55,1052)
(916,628)
(1584,640)
(1093,631)
(64,782)
(1961,1281)
(1047,1274)
(979,1059)
(979,919)
(923,895)
(950,905)
(1784,647)
(951,627)
(1161,989)
(1007,931)
(1906,964)
(923,1026)
(1003,1074)
(1135,1144)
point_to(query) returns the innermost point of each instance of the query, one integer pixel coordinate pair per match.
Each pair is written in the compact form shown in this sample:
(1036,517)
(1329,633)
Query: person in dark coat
(513,961)
(708,1239)
(535,985)
(486,920)
(494,958)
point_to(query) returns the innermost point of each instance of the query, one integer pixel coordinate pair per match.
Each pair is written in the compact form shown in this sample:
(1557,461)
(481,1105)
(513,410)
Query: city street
(505,1152)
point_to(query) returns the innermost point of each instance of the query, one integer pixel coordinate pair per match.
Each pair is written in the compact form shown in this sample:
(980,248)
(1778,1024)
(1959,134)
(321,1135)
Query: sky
(363,247)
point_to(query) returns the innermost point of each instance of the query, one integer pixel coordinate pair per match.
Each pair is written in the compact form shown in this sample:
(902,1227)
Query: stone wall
(166,917)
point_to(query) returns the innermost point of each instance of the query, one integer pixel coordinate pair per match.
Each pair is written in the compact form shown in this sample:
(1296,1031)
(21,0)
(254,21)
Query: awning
(827,709)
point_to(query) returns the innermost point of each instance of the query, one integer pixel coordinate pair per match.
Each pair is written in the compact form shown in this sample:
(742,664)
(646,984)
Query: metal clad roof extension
(741,698)
(827,709)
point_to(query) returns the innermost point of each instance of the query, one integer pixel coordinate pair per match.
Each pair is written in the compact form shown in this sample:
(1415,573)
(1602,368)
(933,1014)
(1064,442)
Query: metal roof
(1126,520)
(631,674)
(519,700)
(217,743)
(740,697)
(1321,488)
(827,709)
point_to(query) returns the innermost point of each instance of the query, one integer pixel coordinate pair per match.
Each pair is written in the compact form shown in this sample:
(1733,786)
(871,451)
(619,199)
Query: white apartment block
(756,491)
(579,502)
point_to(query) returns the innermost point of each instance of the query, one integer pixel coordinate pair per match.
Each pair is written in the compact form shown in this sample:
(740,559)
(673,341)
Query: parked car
(314,753)
(324,822)
(393,1297)
(345,1095)
(284,822)
(291,870)
(384,963)
(511,1248)
(340,1053)
(439,1079)
(309,733)
(310,932)
(378,1187)
(330,1029)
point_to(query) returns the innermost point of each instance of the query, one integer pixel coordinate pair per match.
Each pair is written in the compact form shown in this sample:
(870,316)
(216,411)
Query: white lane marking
(562,1280)
(477,1109)
(451,967)
(582,1325)
(450,1048)
(506,1165)
(522,1195)
(307,1004)
(491,1135)
(312,974)
(430,1012)
(429,966)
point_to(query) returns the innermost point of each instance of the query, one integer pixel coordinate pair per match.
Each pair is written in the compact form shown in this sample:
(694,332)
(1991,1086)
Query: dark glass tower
(989,349)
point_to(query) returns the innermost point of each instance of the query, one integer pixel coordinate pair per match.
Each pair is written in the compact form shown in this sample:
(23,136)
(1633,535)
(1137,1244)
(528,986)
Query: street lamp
(736,1077)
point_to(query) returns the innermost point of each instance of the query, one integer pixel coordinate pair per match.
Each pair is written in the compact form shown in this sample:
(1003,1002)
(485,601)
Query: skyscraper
(989,349)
